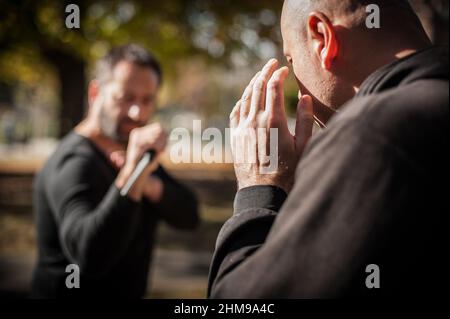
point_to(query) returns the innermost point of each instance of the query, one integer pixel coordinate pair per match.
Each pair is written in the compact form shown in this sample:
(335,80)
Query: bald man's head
(351,11)
(332,50)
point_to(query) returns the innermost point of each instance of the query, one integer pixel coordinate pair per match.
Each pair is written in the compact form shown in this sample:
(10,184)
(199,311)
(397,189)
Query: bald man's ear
(323,38)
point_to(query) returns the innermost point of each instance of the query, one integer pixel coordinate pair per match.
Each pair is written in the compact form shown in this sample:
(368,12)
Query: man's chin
(125,129)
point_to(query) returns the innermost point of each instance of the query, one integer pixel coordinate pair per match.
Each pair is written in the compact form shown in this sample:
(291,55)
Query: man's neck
(324,113)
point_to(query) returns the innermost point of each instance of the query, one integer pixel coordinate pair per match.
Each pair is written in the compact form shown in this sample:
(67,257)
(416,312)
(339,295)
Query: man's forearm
(255,210)
(96,239)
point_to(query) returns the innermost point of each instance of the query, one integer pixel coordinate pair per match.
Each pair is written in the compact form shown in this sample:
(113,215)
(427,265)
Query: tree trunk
(71,74)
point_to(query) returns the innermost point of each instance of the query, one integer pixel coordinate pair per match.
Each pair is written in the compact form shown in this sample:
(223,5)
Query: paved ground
(15,275)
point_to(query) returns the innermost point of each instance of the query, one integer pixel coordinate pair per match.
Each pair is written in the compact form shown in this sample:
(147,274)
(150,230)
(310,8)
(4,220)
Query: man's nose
(134,112)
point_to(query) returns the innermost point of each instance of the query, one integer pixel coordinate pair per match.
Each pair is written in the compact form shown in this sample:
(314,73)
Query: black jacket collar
(431,63)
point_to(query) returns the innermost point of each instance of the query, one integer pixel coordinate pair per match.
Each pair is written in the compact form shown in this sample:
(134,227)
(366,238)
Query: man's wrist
(249,180)
(259,196)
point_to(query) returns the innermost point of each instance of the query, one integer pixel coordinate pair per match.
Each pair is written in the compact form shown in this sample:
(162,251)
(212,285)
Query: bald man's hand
(259,130)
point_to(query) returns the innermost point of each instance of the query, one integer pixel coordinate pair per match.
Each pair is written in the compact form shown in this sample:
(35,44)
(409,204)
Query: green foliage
(214,30)
(201,42)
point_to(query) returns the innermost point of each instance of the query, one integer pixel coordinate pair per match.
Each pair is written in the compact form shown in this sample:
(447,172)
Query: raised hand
(259,117)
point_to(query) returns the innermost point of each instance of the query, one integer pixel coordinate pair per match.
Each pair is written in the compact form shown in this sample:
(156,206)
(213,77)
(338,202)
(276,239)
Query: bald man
(356,210)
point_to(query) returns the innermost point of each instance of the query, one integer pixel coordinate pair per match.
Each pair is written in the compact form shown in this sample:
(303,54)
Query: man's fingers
(304,124)
(234,122)
(234,115)
(247,98)
(259,89)
(275,92)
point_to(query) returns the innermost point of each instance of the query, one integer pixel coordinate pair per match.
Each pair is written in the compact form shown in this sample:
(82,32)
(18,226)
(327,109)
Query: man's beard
(109,127)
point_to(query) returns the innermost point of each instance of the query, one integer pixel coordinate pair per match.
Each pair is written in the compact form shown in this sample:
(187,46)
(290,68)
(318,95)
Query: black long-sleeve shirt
(372,188)
(82,219)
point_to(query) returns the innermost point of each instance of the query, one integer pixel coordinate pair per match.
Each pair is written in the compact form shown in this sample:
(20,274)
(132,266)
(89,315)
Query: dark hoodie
(367,206)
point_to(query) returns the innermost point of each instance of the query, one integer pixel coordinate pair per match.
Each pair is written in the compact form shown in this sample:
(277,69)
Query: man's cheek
(298,73)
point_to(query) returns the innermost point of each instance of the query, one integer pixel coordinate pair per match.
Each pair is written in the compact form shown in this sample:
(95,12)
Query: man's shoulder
(423,103)
(72,147)
(412,119)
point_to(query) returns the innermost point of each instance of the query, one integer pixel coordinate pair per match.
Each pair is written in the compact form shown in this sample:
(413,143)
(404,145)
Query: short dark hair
(132,53)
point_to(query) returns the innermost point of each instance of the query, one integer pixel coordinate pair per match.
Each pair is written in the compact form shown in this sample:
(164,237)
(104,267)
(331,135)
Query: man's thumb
(305,120)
